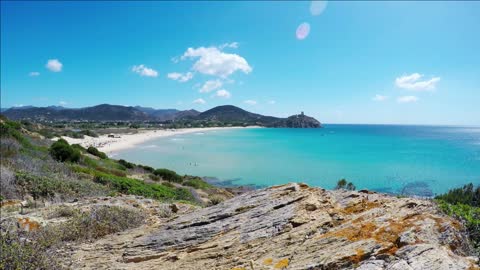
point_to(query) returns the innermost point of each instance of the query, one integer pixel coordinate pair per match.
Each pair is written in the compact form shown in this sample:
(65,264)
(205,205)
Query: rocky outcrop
(292,226)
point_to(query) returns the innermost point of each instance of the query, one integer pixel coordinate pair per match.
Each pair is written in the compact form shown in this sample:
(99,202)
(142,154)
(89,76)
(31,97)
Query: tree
(341,184)
(351,186)
(62,151)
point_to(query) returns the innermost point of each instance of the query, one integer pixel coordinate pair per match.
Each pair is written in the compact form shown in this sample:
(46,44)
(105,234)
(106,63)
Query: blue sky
(361,62)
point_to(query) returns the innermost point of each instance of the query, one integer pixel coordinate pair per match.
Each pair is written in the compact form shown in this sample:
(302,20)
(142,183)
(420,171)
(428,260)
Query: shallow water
(421,160)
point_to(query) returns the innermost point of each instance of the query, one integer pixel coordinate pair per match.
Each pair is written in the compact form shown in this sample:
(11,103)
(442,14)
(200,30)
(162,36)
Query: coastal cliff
(292,226)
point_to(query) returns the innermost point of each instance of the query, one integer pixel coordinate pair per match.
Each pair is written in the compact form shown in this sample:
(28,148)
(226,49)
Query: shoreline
(124,141)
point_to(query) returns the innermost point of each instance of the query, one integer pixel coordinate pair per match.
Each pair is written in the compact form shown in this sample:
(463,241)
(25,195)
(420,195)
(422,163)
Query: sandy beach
(111,145)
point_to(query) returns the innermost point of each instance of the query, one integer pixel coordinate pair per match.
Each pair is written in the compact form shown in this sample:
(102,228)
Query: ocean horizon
(420,160)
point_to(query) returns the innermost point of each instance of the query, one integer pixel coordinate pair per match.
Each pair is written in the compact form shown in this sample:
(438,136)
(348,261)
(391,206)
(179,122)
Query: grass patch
(197,183)
(127,185)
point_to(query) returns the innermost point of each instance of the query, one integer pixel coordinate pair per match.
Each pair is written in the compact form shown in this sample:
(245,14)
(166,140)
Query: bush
(126,164)
(464,204)
(48,187)
(147,168)
(137,187)
(469,215)
(94,151)
(168,175)
(79,147)
(216,199)
(343,184)
(62,151)
(21,250)
(468,194)
(197,183)
(100,221)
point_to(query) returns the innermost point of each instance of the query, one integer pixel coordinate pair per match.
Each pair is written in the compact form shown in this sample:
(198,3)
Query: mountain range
(105,112)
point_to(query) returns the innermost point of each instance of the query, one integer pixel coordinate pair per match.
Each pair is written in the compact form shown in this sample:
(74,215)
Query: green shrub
(168,175)
(126,164)
(343,184)
(197,183)
(469,215)
(11,129)
(216,199)
(468,194)
(62,151)
(94,151)
(147,168)
(464,204)
(21,250)
(100,221)
(47,187)
(137,187)
(79,147)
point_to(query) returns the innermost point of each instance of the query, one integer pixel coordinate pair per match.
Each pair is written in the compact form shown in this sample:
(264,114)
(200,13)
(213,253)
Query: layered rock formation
(291,227)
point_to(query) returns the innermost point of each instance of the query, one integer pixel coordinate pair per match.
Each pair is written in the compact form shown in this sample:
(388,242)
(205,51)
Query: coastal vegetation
(40,175)
(343,184)
(464,204)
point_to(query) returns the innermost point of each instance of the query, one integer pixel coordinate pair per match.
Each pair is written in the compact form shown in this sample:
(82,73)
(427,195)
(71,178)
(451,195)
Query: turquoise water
(421,160)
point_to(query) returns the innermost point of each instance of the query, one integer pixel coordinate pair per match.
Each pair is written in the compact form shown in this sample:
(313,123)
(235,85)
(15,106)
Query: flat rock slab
(292,226)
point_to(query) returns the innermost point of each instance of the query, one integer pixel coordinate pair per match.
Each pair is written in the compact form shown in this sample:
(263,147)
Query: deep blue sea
(420,160)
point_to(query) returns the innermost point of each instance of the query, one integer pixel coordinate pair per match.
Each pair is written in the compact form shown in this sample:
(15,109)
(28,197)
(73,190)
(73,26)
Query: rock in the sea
(292,226)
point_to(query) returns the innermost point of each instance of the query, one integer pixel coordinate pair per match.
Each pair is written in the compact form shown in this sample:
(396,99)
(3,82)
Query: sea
(397,159)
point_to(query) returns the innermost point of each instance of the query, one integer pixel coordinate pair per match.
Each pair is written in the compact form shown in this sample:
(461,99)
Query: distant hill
(222,115)
(232,114)
(103,112)
(159,114)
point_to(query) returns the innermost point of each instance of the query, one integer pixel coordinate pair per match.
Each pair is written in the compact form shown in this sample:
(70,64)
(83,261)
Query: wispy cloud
(210,85)
(199,101)
(407,99)
(62,103)
(180,77)
(233,45)
(144,71)
(34,74)
(250,102)
(379,98)
(414,82)
(54,65)
(271,102)
(223,93)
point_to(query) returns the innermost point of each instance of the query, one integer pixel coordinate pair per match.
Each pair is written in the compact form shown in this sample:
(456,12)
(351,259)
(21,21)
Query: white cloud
(407,99)
(63,103)
(223,93)
(212,61)
(145,71)
(233,45)
(211,85)
(180,77)
(250,102)
(199,101)
(18,105)
(54,65)
(271,102)
(34,74)
(413,82)
(379,98)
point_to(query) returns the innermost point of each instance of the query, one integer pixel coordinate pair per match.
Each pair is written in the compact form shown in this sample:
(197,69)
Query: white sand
(129,140)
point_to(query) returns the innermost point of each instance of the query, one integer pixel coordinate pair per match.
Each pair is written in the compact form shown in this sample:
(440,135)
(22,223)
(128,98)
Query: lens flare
(303,30)
(317,7)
